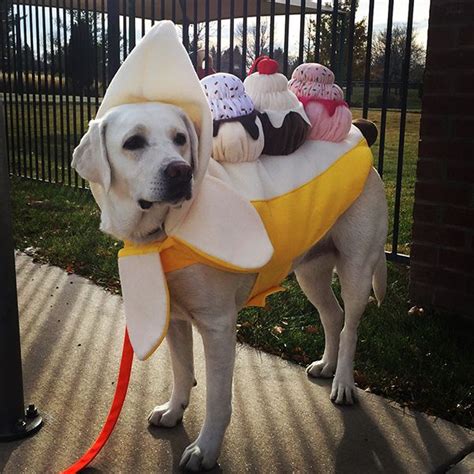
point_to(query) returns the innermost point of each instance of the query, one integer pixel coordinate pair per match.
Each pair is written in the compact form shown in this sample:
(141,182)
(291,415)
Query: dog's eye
(135,142)
(180,139)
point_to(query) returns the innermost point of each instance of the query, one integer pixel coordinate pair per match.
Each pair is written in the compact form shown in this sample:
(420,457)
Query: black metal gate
(57,57)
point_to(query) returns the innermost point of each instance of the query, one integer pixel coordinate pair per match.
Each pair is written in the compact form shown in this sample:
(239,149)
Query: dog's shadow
(376,451)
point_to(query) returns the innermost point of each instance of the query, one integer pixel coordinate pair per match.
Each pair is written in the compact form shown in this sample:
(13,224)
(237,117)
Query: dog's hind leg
(355,277)
(180,343)
(314,277)
(359,236)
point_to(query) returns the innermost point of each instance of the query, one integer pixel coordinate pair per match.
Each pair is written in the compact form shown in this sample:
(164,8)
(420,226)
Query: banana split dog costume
(254,216)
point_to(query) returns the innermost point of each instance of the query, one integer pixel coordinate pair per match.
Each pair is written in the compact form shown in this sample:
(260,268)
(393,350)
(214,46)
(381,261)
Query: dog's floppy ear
(193,138)
(90,156)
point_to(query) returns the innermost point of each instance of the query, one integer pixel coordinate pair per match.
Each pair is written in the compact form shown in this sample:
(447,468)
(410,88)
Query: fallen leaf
(278,330)
(416,311)
(300,358)
(360,379)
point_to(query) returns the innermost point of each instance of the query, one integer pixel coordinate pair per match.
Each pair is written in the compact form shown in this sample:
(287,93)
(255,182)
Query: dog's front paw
(320,368)
(196,457)
(343,389)
(166,415)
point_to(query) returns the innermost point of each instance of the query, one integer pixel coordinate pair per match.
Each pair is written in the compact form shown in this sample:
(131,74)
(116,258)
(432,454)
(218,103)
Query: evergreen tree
(81,54)
(6,24)
(12,55)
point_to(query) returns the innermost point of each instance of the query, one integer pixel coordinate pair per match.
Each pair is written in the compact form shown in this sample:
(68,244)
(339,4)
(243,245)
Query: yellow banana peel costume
(253,217)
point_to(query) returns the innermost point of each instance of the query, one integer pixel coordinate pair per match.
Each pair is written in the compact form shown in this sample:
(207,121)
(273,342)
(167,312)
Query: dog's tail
(379,278)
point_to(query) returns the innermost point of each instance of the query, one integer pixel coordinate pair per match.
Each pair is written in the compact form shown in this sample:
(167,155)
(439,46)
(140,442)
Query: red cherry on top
(264,65)
(267,66)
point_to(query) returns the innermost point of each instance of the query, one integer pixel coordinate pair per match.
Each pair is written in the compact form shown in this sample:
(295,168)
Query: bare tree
(397,55)
(201,34)
(326,47)
(257,45)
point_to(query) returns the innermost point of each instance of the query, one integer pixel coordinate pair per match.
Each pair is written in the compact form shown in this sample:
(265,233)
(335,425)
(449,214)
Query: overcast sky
(421,14)
(400,15)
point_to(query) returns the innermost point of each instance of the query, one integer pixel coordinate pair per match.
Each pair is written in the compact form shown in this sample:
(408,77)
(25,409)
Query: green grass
(60,225)
(43,135)
(393,97)
(424,361)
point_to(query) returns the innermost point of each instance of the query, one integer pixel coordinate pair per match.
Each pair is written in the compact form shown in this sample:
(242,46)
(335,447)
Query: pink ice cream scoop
(323,101)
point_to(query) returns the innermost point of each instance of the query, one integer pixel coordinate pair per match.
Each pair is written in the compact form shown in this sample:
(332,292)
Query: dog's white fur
(210,298)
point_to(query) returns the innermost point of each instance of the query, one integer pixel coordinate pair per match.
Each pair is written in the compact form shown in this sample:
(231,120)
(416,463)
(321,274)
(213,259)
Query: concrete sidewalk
(283,422)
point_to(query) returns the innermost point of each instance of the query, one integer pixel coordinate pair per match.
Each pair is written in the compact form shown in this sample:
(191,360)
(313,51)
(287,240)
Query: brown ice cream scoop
(368,129)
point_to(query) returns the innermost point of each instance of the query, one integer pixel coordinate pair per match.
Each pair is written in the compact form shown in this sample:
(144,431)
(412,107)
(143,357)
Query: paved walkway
(72,334)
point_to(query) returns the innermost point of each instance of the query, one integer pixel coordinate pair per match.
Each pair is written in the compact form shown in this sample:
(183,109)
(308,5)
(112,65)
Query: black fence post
(131,25)
(185,24)
(15,423)
(113,39)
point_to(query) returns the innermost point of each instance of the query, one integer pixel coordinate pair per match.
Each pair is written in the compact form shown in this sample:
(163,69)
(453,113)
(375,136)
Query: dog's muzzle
(177,177)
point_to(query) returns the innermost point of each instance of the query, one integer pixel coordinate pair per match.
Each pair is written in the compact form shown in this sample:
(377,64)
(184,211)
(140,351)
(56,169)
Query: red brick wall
(442,255)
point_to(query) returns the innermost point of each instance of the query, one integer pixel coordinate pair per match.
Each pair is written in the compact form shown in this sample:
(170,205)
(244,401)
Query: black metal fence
(57,57)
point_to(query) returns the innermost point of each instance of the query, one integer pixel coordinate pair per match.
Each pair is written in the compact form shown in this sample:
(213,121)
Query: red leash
(115,409)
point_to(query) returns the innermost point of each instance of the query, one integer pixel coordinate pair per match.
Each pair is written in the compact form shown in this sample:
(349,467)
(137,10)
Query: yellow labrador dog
(144,153)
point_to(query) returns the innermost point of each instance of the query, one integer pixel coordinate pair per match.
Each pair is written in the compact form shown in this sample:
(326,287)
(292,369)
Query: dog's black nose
(179,172)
